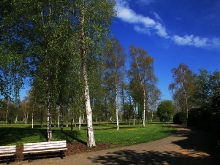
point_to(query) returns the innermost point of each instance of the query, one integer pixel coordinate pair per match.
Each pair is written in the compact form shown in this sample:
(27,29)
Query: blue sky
(172,32)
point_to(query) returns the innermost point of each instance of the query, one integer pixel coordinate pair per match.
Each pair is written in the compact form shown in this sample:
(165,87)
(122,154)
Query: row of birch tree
(64,50)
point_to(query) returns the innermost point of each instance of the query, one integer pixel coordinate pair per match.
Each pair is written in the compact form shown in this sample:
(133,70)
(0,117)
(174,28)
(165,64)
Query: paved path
(187,147)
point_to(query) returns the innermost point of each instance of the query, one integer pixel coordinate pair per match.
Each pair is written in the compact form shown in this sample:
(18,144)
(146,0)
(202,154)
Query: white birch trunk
(116,106)
(80,122)
(32,120)
(49,130)
(144,111)
(16,118)
(90,131)
(152,116)
(142,83)
(58,121)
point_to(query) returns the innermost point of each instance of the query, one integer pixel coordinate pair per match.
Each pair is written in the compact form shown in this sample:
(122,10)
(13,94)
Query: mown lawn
(18,134)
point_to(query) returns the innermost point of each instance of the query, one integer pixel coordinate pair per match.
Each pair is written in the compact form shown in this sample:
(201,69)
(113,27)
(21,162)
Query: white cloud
(141,30)
(191,40)
(200,42)
(149,26)
(216,41)
(157,16)
(186,40)
(128,15)
(161,31)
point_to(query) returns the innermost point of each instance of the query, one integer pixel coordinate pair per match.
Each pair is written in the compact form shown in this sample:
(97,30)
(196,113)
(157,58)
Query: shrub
(180,118)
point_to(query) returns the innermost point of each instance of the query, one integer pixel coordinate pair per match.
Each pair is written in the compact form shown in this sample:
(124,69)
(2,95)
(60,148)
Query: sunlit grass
(18,134)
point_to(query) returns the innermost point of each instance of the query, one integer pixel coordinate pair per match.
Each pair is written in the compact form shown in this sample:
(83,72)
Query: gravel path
(186,147)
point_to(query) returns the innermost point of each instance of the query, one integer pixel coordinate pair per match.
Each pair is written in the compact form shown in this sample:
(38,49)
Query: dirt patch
(72,149)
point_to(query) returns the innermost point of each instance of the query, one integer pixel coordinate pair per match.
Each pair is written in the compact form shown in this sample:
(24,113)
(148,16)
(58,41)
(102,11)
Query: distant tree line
(197,98)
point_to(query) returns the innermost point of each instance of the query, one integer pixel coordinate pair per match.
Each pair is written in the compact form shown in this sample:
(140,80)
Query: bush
(180,118)
(193,117)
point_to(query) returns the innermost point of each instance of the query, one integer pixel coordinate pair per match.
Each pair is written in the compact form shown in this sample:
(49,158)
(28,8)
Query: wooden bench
(51,146)
(6,151)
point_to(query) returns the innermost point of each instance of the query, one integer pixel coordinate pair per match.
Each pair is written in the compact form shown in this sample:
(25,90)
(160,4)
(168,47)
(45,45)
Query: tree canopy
(165,109)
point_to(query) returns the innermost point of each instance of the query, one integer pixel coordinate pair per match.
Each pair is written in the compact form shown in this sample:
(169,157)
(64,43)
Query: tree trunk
(90,131)
(61,117)
(116,106)
(144,114)
(67,117)
(16,118)
(152,116)
(49,130)
(6,121)
(72,121)
(58,120)
(80,122)
(32,120)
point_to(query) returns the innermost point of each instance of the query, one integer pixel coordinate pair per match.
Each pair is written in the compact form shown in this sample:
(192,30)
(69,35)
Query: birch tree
(115,64)
(182,85)
(94,20)
(142,71)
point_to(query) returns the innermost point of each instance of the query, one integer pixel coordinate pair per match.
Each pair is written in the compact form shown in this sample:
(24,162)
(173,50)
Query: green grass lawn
(17,134)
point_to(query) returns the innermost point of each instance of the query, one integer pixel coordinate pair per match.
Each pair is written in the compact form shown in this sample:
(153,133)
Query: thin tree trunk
(90,131)
(58,120)
(116,106)
(6,115)
(32,120)
(141,81)
(72,121)
(49,130)
(16,118)
(80,122)
(144,114)
(152,116)
(61,117)
(67,117)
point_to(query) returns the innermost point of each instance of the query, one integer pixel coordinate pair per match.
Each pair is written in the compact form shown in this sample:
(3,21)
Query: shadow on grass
(69,136)
(14,135)
(19,136)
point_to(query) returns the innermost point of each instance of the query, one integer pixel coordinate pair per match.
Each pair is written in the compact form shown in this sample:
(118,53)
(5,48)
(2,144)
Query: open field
(17,134)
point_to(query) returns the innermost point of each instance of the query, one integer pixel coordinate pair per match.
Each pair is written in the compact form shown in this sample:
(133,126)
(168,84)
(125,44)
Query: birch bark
(90,131)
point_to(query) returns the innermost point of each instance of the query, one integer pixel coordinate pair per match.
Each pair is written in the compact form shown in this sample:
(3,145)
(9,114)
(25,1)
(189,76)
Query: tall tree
(165,110)
(182,85)
(48,35)
(115,64)
(154,97)
(94,21)
(142,72)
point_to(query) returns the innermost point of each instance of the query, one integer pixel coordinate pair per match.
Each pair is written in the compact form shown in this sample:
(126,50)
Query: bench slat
(29,148)
(7,149)
(36,147)
(38,151)
(7,155)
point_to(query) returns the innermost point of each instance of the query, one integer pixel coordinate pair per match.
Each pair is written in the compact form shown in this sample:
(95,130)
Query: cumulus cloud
(141,30)
(149,25)
(191,40)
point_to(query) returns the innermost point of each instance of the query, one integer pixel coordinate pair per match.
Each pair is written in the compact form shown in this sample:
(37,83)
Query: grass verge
(14,134)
